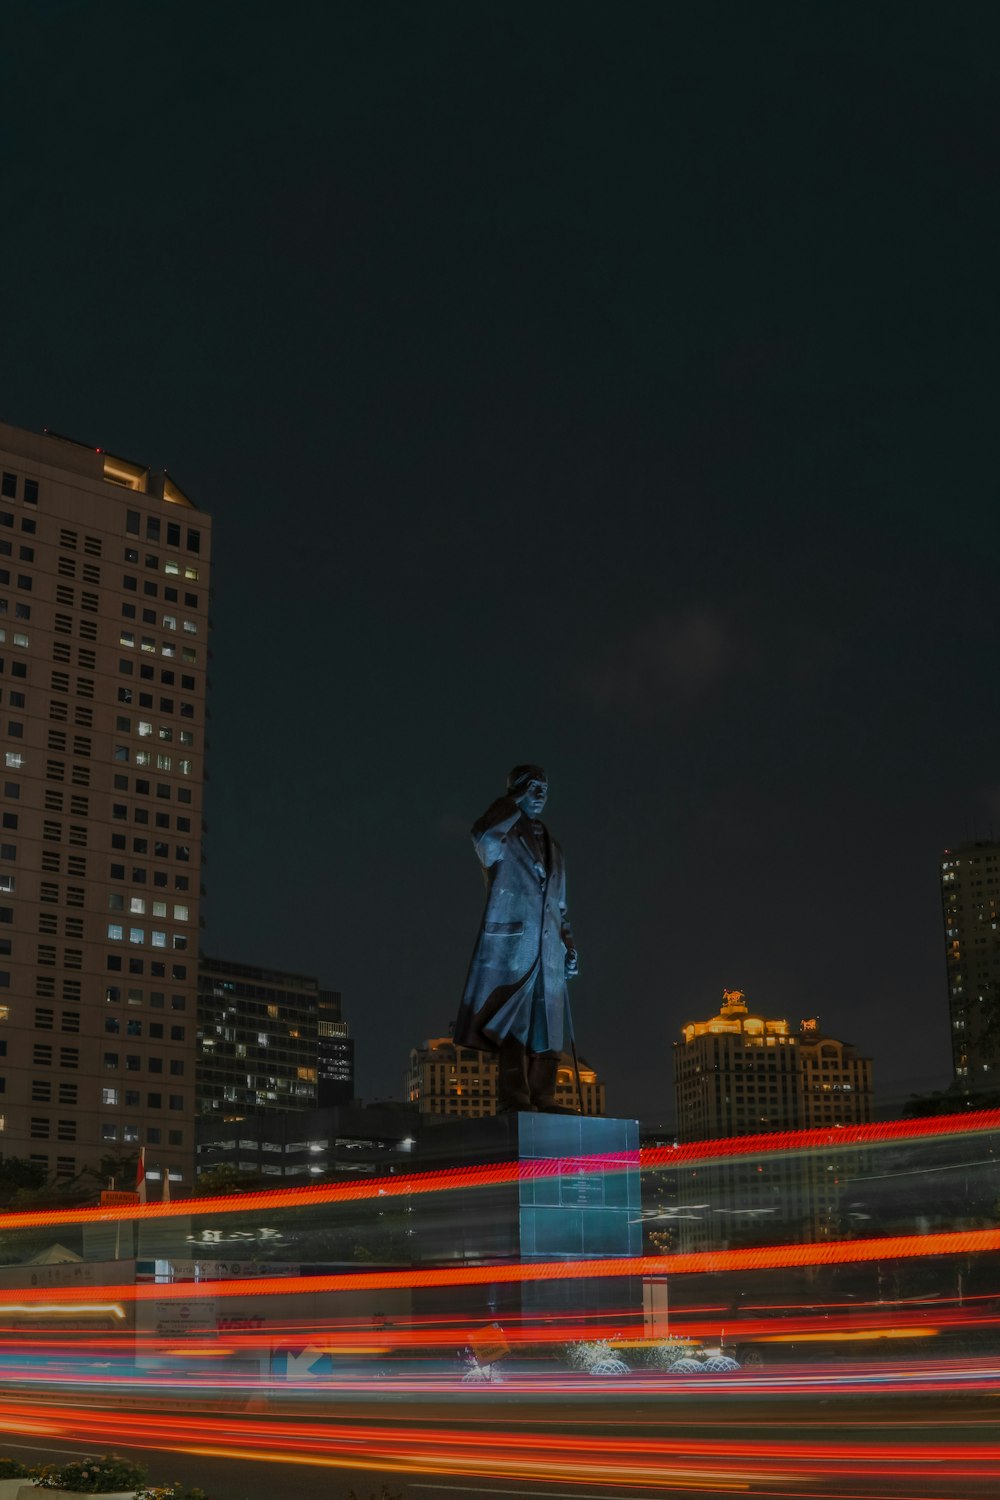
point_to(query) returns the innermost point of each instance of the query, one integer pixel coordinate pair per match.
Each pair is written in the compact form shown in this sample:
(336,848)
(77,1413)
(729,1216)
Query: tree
(17,1174)
(225,1178)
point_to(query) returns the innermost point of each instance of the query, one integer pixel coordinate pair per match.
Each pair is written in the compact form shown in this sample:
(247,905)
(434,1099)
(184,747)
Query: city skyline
(623,403)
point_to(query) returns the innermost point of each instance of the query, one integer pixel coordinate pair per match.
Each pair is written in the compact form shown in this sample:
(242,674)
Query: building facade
(346,1140)
(447,1080)
(269,1040)
(970,903)
(334,1052)
(104,594)
(741,1074)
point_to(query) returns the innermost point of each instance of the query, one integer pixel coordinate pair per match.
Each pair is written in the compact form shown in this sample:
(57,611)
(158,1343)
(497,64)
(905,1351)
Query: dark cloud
(670,660)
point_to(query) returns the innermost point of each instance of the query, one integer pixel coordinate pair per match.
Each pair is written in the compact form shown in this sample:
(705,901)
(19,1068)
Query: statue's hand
(572,963)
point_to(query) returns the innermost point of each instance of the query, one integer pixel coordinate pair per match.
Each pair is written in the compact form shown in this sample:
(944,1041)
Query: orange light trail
(453,1179)
(507,1453)
(770,1257)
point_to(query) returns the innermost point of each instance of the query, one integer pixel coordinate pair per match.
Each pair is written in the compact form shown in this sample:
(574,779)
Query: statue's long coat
(524,935)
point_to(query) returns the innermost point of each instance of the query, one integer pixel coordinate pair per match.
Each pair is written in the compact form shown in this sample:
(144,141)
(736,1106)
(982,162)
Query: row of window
(129,1134)
(155,531)
(137,966)
(134,1027)
(144,728)
(148,644)
(133,1064)
(8,488)
(163,761)
(138,906)
(28,525)
(137,936)
(141,845)
(119,810)
(145,700)
(148,674)
(157,998)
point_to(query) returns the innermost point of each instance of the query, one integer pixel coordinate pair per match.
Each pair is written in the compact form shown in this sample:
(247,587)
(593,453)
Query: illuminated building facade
(269,1040)
(970,901)
(447,1080)
(739,1073)
(104,590)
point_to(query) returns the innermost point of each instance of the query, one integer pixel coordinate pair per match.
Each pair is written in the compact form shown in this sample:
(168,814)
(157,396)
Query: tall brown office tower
(103,654)
(970,900)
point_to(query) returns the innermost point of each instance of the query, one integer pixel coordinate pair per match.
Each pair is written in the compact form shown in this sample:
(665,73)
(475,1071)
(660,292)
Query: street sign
(489,1345)
(301,1364)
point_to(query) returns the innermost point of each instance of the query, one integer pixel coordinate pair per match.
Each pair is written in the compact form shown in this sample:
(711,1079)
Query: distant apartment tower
(260,1041)
(104,593)
(740,1074)
(447,1080)
(970,901)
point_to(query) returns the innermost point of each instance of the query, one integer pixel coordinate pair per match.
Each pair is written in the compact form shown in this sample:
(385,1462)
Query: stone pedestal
(575,1196)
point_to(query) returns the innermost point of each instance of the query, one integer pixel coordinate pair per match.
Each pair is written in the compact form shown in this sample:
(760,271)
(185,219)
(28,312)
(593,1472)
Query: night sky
(612,386)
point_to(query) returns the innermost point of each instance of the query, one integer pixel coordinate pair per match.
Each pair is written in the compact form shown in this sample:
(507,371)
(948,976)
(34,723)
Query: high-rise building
(740,1074)
(447,1080)
(970,900)
(269,1040)
(104,591)
(334,1052)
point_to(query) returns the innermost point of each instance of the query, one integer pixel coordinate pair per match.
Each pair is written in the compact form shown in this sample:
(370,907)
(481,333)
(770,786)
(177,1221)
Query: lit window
(164,763)
(148,644)
(191,574)
(180,913)
(126,638)
(109,1096)
(159,939)
(136,935)
(167,734)
(184,766)
(188,654)
(169,622)
(115,933)
(20,639)
(13,758)
(143,758)
(137,904)
(191,627)
(172,568)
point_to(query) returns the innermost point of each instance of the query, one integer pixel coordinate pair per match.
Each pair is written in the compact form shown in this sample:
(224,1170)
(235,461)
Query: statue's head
(529,787)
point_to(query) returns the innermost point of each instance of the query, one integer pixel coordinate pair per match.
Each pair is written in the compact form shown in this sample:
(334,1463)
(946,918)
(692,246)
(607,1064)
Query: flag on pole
(166,1185)
(140,1175)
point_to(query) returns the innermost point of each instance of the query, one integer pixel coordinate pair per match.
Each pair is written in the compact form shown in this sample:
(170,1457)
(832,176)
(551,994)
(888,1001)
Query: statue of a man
(515,996)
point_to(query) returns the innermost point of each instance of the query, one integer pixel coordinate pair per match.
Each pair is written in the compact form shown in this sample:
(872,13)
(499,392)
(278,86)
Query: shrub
(169,1492)
(663,1355)
(92,1476)
(12,1468)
